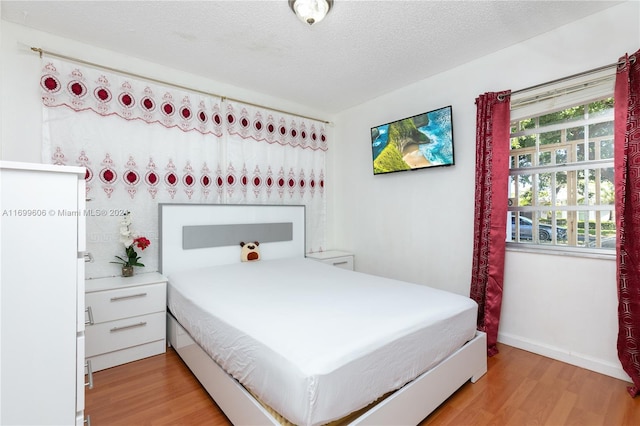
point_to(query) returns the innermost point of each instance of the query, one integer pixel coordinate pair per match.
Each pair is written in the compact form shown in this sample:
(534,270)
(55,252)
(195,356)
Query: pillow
(250,251)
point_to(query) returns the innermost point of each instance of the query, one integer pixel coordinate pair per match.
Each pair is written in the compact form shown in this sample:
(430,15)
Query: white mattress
(313,341)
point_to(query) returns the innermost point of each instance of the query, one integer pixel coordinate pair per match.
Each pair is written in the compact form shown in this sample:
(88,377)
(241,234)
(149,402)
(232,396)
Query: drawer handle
(90,312)
(127,327)
(87,365)
(132,296)
(344,262)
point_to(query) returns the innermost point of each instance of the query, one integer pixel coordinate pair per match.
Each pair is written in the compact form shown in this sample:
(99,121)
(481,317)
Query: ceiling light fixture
(310,11)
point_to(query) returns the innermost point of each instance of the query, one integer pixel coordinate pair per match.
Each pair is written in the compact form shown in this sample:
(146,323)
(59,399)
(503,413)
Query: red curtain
(627,188)
(490,217)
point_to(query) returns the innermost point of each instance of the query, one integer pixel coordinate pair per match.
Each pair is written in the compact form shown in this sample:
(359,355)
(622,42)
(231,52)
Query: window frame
(604,91)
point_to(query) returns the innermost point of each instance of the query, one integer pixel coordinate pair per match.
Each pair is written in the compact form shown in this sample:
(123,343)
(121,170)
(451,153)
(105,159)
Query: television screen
(418,142)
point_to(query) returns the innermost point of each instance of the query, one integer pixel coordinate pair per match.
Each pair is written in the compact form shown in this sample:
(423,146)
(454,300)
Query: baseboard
(579,360)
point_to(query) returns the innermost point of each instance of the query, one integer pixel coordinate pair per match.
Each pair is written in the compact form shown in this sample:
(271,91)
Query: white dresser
(42,230)
(340,259)
(126,319)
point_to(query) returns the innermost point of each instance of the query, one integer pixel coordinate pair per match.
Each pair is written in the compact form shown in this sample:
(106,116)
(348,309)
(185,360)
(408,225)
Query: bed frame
(198,235)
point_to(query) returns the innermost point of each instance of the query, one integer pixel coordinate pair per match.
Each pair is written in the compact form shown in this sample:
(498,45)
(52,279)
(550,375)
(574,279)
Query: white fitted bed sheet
(316,342)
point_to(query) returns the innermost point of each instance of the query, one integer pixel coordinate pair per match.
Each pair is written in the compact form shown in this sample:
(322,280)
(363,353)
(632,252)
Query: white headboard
(200,235)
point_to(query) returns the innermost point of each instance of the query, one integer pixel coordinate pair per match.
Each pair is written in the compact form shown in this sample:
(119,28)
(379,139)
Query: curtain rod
(41,52)
(632,59)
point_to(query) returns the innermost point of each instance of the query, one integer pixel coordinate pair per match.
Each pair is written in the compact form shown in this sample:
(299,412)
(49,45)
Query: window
(561,187)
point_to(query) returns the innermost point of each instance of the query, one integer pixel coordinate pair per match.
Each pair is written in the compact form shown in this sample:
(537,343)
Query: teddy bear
(250,251)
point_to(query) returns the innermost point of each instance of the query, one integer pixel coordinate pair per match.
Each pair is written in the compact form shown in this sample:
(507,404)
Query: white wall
(418,226)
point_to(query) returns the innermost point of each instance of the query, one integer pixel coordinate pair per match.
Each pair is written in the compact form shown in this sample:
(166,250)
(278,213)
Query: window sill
(605,254)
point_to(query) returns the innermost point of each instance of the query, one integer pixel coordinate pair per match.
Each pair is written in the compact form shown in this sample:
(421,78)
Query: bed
(290,340)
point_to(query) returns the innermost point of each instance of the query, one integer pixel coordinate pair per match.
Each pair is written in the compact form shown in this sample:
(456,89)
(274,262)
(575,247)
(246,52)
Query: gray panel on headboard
(203,236)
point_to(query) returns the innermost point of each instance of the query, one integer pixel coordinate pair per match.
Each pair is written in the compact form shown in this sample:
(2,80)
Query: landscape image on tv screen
(418,142)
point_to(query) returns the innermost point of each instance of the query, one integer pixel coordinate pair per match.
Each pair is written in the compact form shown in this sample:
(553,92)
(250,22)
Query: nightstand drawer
(345,262)
(125,302)
(114,335)
(341,259)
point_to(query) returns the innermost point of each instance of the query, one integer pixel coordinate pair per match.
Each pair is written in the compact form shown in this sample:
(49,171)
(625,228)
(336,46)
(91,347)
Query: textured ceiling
(361,50)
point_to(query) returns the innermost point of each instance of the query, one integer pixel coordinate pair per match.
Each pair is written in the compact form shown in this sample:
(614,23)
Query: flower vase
(127,271)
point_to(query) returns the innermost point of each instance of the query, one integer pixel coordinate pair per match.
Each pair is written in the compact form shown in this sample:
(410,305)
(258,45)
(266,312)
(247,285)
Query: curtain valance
(83,88)
(258,124)
(65,84)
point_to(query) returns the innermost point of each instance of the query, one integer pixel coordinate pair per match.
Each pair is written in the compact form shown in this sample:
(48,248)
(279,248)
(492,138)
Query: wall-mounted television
(418,142)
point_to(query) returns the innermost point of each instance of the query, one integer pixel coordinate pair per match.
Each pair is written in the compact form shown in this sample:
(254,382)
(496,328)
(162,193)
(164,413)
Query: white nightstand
(341,259)
(125,319)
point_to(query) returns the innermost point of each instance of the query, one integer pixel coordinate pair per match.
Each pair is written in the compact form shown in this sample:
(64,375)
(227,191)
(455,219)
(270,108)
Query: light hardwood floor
(520,388)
